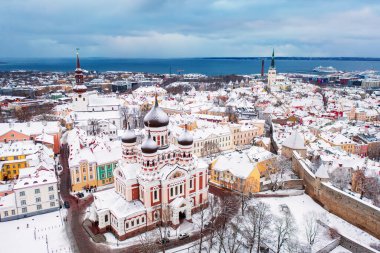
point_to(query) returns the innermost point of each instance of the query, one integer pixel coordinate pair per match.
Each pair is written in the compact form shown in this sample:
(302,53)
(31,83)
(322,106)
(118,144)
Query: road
(82,242)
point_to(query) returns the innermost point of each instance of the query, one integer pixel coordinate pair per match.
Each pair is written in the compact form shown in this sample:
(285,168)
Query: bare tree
(311,227)
(256,225)
(276,171)
(340,178)
(147,244)
(284,230)
(163,225)
(210,147)
(94,126)
(214,208)
(129,115)
(227,211)
(231,114)
(372,189)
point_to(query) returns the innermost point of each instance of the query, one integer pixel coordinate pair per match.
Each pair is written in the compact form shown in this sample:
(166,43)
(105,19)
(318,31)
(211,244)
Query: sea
(206,66)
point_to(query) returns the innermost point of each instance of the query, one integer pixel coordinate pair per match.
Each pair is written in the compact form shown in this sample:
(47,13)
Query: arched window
(132,223)
(143,219)
(127,225)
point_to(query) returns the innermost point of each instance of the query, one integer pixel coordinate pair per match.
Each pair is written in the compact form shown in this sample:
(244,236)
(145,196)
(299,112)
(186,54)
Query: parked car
(66,204)
(183,236)
(80,195)
(163,241)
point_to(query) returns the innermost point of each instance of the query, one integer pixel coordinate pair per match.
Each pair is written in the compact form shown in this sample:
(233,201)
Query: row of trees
(221,228)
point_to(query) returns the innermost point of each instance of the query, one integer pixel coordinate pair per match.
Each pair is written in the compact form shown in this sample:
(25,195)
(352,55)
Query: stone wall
(351,209)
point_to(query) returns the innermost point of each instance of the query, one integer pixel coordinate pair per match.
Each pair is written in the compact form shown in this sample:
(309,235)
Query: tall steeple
(272,71)
(272,64)
(79,86)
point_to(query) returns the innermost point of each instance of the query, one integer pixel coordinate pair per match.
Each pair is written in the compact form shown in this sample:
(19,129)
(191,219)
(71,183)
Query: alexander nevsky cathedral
(155,182)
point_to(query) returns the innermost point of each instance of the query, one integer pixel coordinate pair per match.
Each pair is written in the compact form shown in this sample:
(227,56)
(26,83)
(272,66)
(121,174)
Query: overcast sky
(189,28)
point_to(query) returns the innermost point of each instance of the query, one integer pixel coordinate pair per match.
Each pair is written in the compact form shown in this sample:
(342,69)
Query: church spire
(272,64)
(79,86)
(78,62)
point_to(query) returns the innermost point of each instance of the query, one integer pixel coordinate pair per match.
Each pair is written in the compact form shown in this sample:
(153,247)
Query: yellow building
(82,170)
(14,157)
(11,165)
(241,171)
(339,140)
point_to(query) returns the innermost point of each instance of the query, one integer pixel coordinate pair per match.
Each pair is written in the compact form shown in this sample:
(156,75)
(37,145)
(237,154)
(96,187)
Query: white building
(33,194)
(90,106)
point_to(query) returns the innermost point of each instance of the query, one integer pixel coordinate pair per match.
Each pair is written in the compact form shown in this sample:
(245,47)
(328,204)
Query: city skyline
(181,29)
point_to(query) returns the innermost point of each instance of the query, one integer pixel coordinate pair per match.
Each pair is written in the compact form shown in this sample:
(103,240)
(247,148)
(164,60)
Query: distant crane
(179,71)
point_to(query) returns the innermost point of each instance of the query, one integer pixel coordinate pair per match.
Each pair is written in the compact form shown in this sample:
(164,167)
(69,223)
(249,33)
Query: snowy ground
(300,206)
(340,249)
(185,227)
(31,234)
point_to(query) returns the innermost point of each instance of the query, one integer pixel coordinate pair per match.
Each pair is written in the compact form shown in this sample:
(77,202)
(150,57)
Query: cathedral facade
(155,182)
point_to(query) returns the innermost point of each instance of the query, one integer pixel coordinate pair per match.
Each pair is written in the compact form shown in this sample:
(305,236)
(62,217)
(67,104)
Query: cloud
(189,28)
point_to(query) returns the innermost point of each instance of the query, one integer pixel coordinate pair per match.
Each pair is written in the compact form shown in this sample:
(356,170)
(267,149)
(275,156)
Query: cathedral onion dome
(129,136)
(149,146)
(185,139)
(156,117)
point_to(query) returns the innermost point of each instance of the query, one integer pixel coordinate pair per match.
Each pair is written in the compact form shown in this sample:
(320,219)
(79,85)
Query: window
(23,202)
(176,190)
(39,207)
(24,210)
(22,193)
(51,197)
(84,178)
(13,212)
(155,193)
(137,222)
(127,225)
(77,179)
(52,204)
(180,189)
(142,219)
(106,218)
(51,188)
(191,183)
(6,214)
(132,223)
(38,200)
(171,192)
(36,191)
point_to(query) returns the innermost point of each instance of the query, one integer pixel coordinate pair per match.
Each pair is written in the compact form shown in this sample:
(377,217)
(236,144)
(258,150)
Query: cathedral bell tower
(79,98)
(272,71)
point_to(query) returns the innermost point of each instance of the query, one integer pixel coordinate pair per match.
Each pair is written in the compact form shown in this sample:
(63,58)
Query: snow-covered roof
(295,141)
(322,172)
(116,204)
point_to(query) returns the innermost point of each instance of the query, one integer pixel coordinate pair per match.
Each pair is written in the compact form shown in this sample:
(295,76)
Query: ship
(322,69)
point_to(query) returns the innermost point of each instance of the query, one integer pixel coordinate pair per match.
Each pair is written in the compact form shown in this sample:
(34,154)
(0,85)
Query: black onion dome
(185,139)
(129,136)
(156,117)
(149,146)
